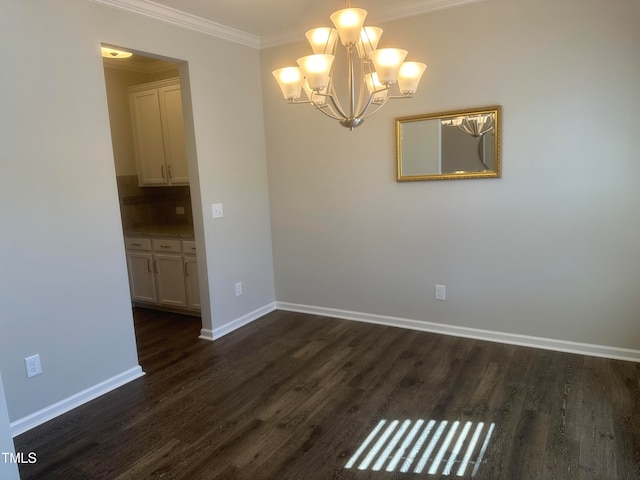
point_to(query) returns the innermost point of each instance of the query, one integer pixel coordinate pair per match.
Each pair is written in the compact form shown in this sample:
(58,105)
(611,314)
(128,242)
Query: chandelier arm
(335,102)
(323,109)
(377,106)
(351,86)
(363,86)
(363,113)
(327,106)
(334,113)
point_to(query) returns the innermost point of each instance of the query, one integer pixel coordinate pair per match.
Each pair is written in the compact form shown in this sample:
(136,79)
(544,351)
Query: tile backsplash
(148,206)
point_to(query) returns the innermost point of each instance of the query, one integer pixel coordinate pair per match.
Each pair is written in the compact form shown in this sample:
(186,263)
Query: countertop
(183,232)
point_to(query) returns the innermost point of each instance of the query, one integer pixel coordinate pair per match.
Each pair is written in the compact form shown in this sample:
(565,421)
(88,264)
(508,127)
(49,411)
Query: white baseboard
(207,334)
(475,333)
(48,413)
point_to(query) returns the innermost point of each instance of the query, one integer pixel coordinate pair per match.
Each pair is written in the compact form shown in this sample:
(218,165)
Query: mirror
(449,145)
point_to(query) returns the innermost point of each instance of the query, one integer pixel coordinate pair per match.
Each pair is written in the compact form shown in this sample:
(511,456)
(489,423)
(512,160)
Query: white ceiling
(263,23)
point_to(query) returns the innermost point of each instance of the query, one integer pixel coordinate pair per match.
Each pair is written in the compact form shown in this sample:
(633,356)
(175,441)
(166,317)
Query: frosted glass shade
(373,84)
(369,38)
(290,80)
(316,69)
(409,77)
(323,39)
(387,62)
(349,22)
(313,96)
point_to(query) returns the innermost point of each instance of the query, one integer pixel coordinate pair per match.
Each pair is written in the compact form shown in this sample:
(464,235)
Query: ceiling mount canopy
(378,70)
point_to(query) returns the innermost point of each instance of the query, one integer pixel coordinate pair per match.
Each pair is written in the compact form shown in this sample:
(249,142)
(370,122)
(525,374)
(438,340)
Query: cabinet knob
(162,171)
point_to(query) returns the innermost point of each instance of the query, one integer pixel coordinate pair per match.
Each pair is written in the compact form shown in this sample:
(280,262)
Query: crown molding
(182,19)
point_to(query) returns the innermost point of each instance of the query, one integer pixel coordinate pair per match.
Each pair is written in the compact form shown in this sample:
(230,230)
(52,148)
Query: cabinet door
(173,134)
(141,278)
(170,280)
(148,138)
(191,282)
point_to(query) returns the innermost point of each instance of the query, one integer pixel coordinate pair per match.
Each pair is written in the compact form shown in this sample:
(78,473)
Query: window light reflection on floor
(413,448)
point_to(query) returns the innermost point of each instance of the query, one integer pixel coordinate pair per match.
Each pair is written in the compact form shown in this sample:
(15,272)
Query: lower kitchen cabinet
(170,286)
(141,278)
(191,277)
(161,276)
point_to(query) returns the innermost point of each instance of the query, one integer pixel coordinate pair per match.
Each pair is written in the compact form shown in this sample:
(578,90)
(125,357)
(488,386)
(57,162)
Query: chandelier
(474,125)
(378,70)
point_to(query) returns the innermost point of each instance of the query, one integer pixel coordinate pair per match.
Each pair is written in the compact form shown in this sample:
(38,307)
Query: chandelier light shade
(377,70)
(349,23)
(290,80)
(322,40)
(409,77)
(387,62)
(369,37)
(316,69)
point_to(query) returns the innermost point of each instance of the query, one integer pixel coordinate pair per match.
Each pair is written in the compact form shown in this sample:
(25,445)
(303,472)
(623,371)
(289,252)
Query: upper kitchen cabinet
(158,133)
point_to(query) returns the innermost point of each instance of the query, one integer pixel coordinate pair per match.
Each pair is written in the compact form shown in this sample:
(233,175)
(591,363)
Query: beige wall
(8,470)
(63,281)
(548,250)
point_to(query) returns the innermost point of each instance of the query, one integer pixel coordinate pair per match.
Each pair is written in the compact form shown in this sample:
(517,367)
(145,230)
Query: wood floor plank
(293,396)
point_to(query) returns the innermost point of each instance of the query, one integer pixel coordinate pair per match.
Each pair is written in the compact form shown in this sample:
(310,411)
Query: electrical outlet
(238,289)
(440,292)
(33,365)
(216,210)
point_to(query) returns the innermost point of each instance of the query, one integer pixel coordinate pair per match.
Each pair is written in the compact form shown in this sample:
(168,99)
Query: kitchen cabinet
(161,275)
(191,275)
(140,265)
(158,133)
(169,273)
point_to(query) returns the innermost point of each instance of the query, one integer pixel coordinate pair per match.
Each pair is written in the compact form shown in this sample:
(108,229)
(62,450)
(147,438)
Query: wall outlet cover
(216,210)
(33,365)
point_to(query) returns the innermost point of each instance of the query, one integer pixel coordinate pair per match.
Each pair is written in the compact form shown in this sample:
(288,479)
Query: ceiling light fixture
(378,70)
(113,53)
(474,125)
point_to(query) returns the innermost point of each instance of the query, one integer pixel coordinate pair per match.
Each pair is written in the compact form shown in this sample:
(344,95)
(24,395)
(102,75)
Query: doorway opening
(154,187)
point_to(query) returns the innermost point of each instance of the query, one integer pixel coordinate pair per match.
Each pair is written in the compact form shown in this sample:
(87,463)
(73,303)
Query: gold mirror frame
(451,117)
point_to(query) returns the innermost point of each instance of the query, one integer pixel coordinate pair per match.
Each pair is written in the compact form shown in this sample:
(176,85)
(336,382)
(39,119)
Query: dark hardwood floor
(294,396)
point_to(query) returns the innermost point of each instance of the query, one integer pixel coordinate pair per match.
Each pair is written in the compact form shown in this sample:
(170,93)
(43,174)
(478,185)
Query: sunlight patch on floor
(446,448)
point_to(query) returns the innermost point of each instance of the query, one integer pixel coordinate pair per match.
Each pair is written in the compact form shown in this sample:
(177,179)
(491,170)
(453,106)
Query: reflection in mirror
(449,145)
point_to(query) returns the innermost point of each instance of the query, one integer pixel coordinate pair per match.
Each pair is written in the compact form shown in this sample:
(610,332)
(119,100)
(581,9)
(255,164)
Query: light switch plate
(216,210)
(440,292)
